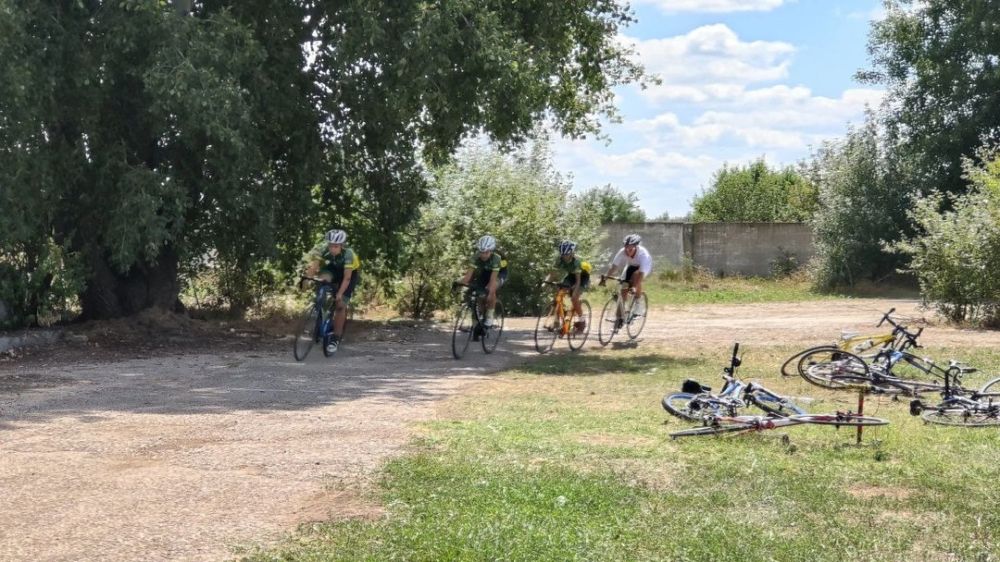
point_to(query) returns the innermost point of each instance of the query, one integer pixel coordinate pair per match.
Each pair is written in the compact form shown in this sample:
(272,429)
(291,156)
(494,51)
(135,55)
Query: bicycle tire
(576,340)
(958,416)
(491,335)
(773,403)
(713,430)
(608,326)
(793,361)
(307,334)
(461,335)
(679,404)
(991,389)
(833,368)
(545,337)
(636,322)
(853,420)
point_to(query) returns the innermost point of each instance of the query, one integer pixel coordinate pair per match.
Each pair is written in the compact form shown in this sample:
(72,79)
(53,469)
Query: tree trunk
(110,294)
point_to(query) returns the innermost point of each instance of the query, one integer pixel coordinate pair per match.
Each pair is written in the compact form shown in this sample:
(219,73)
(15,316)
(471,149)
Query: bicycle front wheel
(773,404)
(713,430)
(577,333)
(692,407)
(547,330)
(308,333)
(608,325)
(491,335)
(853,420)
(637,316)
(465,322)
(833,368)
(991,389)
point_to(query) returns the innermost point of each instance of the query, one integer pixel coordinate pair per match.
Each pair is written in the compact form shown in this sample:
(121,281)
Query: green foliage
(957,253)
(610,205)
(45,293)
(518,199)
(864,194)
(755,193)
(940,60)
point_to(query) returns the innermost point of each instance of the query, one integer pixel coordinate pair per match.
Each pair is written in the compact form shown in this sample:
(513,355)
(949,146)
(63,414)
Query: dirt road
(183,457)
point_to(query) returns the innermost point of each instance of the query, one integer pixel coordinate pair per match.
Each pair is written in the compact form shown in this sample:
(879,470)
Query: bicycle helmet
(567,248)
(486,244)
(631,240)
(336,236)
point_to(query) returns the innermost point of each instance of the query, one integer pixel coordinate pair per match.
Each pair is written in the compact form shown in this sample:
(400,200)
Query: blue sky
(742,79)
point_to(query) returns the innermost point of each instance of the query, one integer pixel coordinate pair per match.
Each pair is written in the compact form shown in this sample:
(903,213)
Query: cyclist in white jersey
(636,262)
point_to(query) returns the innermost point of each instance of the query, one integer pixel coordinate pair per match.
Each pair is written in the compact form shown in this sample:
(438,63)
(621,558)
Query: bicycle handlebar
(886,318)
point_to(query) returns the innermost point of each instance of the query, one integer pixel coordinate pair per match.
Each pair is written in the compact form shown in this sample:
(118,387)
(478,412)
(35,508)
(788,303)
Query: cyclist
(577,278)
(487,274)
(636,262)
(339,265)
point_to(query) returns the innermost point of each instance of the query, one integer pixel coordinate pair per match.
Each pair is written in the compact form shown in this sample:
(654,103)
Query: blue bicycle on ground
(317,321)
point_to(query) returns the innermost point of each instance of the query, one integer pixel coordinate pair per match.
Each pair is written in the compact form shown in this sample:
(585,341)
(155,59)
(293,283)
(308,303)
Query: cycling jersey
(493,263)
(642,260)
(335,264)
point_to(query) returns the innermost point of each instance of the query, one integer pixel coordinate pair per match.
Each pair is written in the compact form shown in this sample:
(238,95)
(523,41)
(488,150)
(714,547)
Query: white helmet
(336,236)
(486,244)
(631,240)
(567,248)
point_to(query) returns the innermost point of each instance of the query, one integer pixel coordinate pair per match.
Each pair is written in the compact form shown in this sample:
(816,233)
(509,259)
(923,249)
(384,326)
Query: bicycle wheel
(790,366)
(713,430)
(773,403)
(692,407)
(547,330)
(834,368)
(637,317)
(962,416)
(608,326)
(577,334)
(491,335)
(853,420)
(308,334)
(465,321)
(991,389)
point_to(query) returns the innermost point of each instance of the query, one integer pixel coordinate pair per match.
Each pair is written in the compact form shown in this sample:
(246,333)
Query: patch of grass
(701,287)
(560,463)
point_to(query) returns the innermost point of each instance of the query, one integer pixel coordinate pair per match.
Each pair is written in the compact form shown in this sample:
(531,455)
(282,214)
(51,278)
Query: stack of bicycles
(725,412)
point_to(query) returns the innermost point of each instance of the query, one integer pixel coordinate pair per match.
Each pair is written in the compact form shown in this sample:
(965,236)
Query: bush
(38,285)
(957,255)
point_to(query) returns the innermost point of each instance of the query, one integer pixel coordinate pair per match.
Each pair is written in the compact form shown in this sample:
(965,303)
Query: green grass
(672,289)
(569,459)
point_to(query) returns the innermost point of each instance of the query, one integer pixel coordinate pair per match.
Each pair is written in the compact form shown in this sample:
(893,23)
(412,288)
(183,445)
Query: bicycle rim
(692,407)
(545,338)
(833,368)
(607,327)
(991,389)
(462,334)
(961,417)
(306,336)
(577,339)
(491,335)
(637,321)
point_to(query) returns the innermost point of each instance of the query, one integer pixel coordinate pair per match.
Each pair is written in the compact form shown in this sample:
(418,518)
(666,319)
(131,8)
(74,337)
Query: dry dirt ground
(135,443)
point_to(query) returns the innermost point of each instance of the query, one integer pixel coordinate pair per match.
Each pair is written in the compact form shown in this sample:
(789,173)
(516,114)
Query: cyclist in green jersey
(576,274)
(336,263)
(488,272)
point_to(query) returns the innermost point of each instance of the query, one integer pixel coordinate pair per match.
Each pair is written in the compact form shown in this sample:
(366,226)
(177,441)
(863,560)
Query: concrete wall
(723,248)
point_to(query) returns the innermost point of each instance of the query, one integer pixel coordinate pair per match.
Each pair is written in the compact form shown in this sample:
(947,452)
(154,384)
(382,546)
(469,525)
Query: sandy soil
(167,454)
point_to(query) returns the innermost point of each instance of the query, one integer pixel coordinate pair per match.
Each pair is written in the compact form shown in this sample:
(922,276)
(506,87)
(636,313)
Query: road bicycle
(557,322)
(715,425)
(696,402)
(863,345)
(317,320)
(628,313)
(469,325)
(890,372)
(958,407)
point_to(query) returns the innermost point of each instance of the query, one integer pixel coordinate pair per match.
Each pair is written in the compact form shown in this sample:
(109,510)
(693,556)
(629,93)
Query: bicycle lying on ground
(628,313)
(317,321)
(469,325)
(978,409)
(696,402)
(738,424)
(899,339)
(557,322)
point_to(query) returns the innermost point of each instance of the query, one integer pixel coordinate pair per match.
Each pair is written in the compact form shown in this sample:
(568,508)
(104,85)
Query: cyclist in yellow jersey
(487,273)
(339,265)
(577,278)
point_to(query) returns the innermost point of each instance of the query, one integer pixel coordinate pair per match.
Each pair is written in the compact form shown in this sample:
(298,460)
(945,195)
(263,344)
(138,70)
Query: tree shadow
(584,364)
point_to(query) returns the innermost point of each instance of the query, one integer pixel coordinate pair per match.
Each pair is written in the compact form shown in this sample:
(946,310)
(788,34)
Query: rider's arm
(492,285)
(617,262)
(467,278)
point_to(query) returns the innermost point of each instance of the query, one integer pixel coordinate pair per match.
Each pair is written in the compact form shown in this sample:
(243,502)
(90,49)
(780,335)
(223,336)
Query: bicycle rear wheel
(773,404)
(547,330)
(491,335)
(637,317)
(578,335)
(965,417)
(308,333)
(991,389)
(608,325)
(853,420)
(790,366)
(833,368)
(465,322)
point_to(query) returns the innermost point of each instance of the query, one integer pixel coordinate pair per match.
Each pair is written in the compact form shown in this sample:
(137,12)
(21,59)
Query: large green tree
(941,62)
(611,204)
(755,193)
(136,135)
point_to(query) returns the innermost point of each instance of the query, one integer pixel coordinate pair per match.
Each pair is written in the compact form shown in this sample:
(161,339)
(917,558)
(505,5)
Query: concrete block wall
(723,248)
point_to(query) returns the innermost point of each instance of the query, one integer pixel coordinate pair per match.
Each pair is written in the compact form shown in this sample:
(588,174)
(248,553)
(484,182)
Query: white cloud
(715,6)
